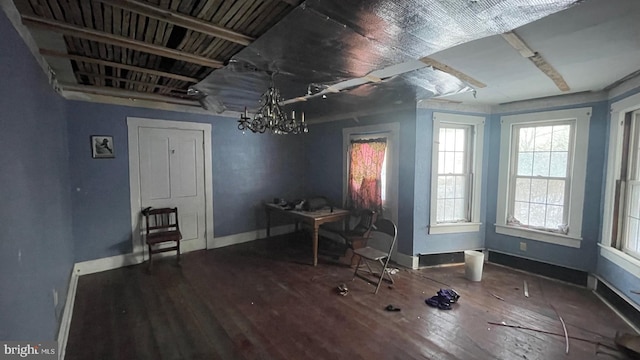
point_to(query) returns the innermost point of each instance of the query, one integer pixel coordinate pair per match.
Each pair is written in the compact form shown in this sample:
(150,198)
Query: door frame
(134,124)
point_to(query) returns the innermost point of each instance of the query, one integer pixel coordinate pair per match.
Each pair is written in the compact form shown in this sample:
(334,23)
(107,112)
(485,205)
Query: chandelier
(271,117)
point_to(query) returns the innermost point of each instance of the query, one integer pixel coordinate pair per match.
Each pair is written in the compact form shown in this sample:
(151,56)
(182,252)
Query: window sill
(454,228)
(531,234)
(625,261)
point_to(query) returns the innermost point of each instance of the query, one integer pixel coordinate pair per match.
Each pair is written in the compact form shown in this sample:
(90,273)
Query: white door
(172,175)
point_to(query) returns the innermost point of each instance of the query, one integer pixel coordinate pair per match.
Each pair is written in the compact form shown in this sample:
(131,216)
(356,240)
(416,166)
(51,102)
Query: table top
(321,214)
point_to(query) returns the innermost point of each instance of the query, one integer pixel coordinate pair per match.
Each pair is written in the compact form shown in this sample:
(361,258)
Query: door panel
(155,167)
(172,175)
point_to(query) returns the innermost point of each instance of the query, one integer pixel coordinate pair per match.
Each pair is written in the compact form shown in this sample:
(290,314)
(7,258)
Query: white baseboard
(250,236)
(409,261)
(109,263)
(67,313)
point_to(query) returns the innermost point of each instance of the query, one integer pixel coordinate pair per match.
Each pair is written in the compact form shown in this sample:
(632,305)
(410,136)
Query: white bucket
(473,261)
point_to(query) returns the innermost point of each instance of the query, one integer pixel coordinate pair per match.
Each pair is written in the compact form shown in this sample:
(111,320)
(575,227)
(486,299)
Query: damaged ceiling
(322,54)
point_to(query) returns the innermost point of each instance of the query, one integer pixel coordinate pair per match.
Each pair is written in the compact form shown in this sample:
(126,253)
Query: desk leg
(315,245)
(268,223)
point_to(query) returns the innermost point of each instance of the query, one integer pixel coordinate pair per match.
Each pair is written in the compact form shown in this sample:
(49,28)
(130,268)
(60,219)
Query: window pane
(526,139)
(525,163)
(632,235)
(539,191)
(561,137)
(541,164)
(554,217)
(458,167)
(460,139)
(441,139)
(440,211)
(521,212)
(441,163)
(460,187)
(555,192)
(523,189)
(448,209)
(558,164)
(450,139)
(448,162)
(441,187)
(460,210)
(450,183)
(634,201)
(543,138)
(537,215)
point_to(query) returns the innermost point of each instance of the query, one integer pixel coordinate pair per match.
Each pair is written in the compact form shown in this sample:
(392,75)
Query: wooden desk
(313,218)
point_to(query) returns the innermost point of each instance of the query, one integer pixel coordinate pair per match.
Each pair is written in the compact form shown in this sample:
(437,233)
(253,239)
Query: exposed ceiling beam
(517,43)
(125,42)
(449,70)
(550,71)
(90,60)
(109,91)
(175,18)
(128,81)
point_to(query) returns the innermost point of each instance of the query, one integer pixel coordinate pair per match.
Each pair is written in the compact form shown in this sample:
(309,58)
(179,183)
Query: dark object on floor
(436,301)
(343,290)
(391,308)
(449,294)
(443,299)
(630,343)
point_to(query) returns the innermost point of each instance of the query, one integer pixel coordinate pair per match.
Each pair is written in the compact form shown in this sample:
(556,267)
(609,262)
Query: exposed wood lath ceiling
(154,47)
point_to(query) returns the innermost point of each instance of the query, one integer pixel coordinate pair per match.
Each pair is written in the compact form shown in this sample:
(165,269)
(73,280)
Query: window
(367,173)
(540,179)
(542,175)
(456,173)
(629,201)
(620,216)
(357,137)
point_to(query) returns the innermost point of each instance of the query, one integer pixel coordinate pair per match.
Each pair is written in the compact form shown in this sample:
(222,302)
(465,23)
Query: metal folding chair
(369,254)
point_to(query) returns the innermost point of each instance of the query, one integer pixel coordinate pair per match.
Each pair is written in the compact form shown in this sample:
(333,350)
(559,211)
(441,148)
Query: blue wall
(36,251)
(324,165)
(441,243)
(583,258)
(247,170)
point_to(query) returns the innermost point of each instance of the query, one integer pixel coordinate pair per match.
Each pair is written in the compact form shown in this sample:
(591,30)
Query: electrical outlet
(523,246)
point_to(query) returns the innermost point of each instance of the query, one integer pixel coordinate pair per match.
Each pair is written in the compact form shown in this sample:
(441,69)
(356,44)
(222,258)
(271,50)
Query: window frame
(581,118)
(474,156)
(632,176)
(513,173)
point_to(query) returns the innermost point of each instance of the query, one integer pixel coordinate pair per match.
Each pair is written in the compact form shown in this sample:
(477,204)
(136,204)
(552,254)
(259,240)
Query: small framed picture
(102,147)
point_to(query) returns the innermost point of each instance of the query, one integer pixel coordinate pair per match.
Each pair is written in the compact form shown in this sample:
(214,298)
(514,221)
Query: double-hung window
(456,173)
(629,200)
(542,175)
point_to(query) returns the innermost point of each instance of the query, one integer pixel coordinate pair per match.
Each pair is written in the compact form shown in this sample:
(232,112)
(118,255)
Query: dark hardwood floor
(261,300)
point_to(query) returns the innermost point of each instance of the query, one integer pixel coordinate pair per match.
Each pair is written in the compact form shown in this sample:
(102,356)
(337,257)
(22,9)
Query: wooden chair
(161,226)
(370,255)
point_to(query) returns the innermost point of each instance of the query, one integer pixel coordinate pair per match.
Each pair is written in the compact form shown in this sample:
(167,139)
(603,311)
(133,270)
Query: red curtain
(365,174)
